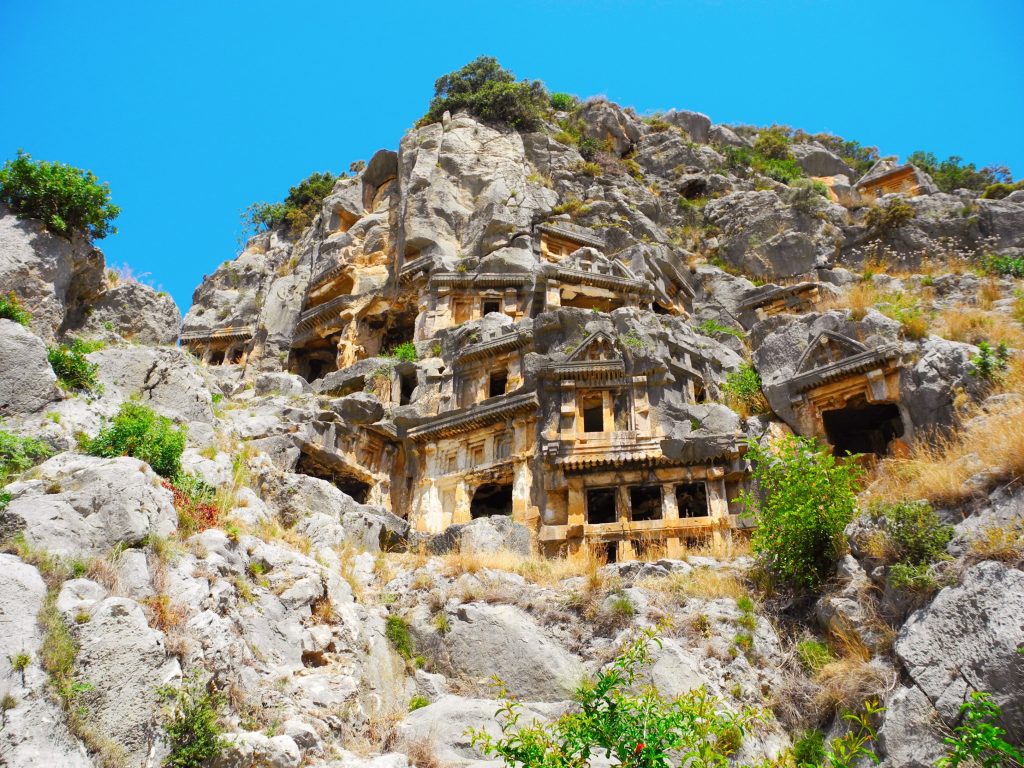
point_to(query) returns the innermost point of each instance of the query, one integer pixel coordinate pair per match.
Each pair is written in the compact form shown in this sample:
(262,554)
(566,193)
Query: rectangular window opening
(498,384)
(601,506)
(492,305)
(692,500)
(645,502)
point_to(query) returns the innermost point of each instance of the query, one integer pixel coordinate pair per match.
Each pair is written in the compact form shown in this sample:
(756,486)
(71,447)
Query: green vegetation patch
(138,431)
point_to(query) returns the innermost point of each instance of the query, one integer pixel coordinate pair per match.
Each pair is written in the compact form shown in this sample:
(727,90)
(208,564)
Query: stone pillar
(718,507)
(461,512)
(553,296)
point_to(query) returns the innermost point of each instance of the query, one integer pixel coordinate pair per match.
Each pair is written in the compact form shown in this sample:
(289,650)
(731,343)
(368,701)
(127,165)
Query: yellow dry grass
(999,542)
(972,325)
(704,583)
(938,468)
(534,568)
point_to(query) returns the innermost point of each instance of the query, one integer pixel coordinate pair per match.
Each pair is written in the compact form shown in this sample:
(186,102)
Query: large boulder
(125,661)
(34,732)
(519,651)
(134,311)
(466,189)
(604,121)
(764,236)
(968,640)
(818,161)
(27,382)
(930,386)
(483,535)
(695,124)
(82,505)
(163,379)
(54,277)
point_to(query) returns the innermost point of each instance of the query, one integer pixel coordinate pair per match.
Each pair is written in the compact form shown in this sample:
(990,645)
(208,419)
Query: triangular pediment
(826,348)
(590,260)
(597,347)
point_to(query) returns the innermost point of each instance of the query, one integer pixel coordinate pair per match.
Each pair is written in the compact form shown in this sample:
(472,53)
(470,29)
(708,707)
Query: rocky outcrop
(27,383)
(81,505)
(133,311)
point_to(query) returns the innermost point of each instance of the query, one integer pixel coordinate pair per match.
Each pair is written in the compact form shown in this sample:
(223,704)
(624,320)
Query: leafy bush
(297,211)
(406,352)
(194,502)
(913,532)
(785,170)
(809,749)
(805,498)
(773,143)
(743,391)
(990,364)
(418,702)
(999,190)
(11,309)
(628,724)
(813,654)
(952,173)
(193,733)
(397,633)
(73,371)
(978,740)
(885,218)
(563,102)
(858,157)
(63,197)
(261,217)
(138,431)
(18,454)
(489,92)
(1010,266)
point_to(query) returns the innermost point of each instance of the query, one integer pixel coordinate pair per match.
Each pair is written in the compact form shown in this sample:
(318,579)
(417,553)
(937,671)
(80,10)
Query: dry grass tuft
(703,583)
(999,542)
(421,754)
(849,681)
(534,568)
(972,325)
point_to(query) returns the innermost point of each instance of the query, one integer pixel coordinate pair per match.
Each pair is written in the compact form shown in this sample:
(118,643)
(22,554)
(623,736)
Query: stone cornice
(858,363)
(599,280)
(479,279)
(229,333)
(761,297)
(473,417)
(504,343)
(586,369)
(573,233)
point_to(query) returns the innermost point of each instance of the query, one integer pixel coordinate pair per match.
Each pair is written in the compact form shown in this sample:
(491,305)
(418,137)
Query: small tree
(805,497)
(63,197)
(488,91)
(978,740)
(74,372)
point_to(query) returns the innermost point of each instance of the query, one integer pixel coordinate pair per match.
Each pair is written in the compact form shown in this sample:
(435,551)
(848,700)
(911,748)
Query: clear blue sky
(193,110)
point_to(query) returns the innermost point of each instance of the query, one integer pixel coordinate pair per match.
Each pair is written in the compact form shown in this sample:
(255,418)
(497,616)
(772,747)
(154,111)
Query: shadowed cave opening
(601,506)
(692,500)
(645,502)
(345,483)
(862,427)
(491,499)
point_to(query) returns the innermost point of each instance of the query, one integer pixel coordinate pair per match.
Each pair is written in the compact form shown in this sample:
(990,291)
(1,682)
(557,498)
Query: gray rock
(125,661)
(697,125)
(135,312)
(605,121)
(967,640)
(911,734)
(485,534)
(27,382)
(163,379)
(252,749)
(722,134)
(83,505)
(34,734)
(519,651)
(818,161)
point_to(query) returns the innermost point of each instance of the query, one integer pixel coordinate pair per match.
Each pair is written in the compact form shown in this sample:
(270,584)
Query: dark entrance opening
(345,483)
(315,370)
(492,306)
(593,413)
(645,502)
(498,384)
(862,427)
(692,500)
(408,385)
(660,309)
(601,506)
(491,499)
(216,358)
(611,551)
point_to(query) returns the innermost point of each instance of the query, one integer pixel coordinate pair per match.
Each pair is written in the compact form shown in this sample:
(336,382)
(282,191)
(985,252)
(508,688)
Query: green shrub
(997,264)
(615,720)
(773,143)
(805,498)
(809,749)
(858,157)
(711,327)
(11,309)
(138,431)
(489,92)
(952,173)
(990,364)
(913,532)
(978,740)
(73,371)
(63,197)
(406,352)
(563,102)
(297,211)
(261,217)
(912,578)
(885,218)
(784,169)
(18,454)
(813,654)
(193,733)
(999,190)
(743,391)
(418,702)
(397,633)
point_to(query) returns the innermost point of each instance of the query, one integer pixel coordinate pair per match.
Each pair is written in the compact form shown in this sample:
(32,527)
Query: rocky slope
(343,634)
